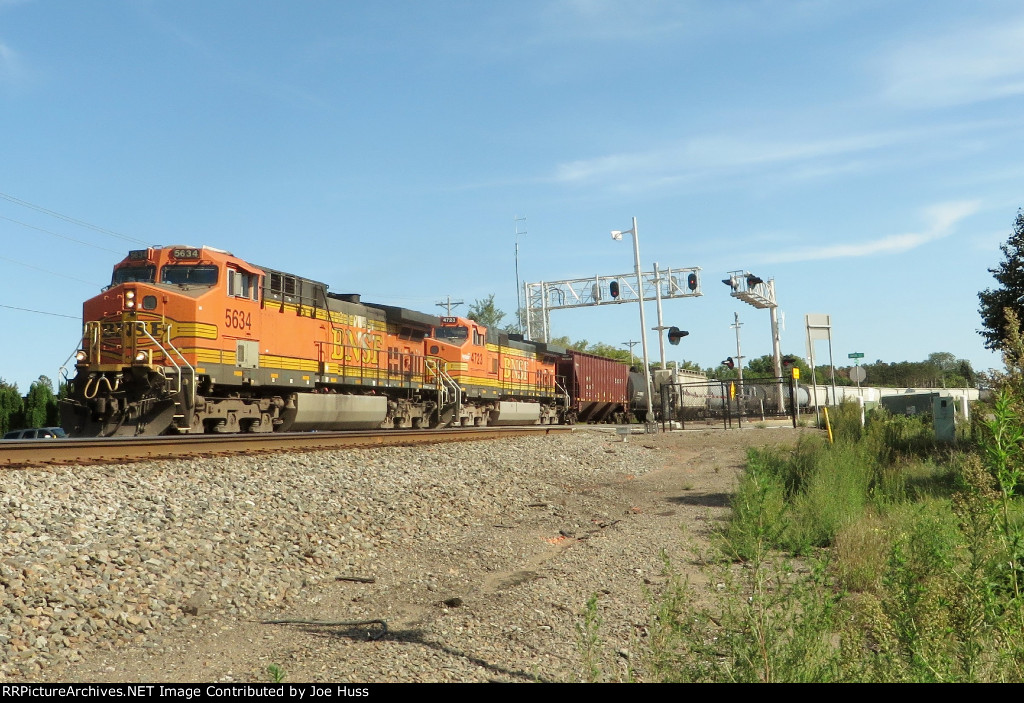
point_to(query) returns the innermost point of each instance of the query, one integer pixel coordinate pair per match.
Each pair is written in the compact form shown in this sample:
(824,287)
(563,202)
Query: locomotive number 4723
(238,319)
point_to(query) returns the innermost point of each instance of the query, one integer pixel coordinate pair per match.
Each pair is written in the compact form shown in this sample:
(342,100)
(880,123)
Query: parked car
(38,433)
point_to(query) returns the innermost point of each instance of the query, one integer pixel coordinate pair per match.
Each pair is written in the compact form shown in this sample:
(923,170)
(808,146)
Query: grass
(883,557)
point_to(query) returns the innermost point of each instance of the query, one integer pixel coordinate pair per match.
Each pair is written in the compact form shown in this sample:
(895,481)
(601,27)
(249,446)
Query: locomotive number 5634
(237,319)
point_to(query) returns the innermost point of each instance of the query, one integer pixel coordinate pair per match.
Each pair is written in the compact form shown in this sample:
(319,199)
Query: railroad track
(27,453)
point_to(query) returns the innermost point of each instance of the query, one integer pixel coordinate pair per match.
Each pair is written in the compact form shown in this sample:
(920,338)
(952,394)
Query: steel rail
(26,453)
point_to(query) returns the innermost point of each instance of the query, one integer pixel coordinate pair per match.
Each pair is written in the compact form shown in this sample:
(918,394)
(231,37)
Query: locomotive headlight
(81,355)
(129,299)
(141,356)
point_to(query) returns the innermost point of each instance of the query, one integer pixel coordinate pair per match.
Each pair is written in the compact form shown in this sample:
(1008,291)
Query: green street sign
(855,355)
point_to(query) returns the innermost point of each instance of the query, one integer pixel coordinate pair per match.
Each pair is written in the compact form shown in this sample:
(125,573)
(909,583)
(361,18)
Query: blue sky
(867,155)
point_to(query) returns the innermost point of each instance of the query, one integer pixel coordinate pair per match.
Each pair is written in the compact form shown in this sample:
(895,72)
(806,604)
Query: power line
(52,273)
(70,239)
(41,312)
(72,220)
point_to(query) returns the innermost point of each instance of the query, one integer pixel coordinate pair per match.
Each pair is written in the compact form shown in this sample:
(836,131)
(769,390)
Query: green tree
(485,312)
(940,370)
(764,367)
(40,404)
(1009,274)
(11,407)
(611,352)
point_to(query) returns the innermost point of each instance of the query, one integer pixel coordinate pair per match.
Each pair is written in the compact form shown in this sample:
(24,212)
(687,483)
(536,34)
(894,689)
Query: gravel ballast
(479,555)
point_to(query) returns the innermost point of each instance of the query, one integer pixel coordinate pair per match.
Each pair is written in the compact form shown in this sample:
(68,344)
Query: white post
(661,324)
(643,325)
(776,348)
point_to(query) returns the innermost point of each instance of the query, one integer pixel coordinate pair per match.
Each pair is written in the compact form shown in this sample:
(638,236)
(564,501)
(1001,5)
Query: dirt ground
(496,634)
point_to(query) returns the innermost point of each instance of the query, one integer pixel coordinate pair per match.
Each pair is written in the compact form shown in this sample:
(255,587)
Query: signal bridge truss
(660,284)
(752,289)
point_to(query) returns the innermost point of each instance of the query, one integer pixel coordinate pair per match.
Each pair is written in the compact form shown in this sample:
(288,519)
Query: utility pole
(449,304)
(630,344)
(739,358)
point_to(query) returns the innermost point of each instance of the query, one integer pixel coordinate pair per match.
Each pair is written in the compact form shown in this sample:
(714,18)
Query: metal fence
(729,403)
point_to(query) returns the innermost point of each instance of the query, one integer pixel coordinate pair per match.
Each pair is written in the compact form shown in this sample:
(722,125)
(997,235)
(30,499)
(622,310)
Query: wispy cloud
(618,22)
(940,221)
(962,66)
(724,157)
(723,160)
(10,64)
(613,21)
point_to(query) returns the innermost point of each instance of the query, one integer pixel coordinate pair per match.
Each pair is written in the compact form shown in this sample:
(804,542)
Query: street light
(617,235)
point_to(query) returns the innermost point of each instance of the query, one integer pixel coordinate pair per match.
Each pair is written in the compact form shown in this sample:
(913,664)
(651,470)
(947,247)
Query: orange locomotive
(194,339)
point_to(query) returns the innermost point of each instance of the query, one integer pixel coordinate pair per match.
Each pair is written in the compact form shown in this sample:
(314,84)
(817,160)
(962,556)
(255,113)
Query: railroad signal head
(675,334)
(691,281)
(788,360)
(753,280)
(613,288)
(731,282)
(729,363)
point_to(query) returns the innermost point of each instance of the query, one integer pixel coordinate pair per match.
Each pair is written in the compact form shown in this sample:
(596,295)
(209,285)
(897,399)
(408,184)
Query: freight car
(193,339)
(599,389)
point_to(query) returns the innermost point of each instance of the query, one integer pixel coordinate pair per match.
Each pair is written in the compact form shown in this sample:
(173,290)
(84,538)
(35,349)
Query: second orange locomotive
(193,339)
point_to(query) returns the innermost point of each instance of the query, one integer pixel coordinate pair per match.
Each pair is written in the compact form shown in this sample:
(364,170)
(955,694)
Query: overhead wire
(66,218)
(52,273)
(62,236)
(72,220)
(41,312)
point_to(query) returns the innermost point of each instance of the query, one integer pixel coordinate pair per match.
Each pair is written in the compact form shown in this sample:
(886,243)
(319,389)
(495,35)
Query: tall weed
(916,554)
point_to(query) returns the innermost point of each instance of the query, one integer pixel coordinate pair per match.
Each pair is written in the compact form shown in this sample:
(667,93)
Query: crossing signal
(675,334)
(729,363)
(613,288)
(691,281)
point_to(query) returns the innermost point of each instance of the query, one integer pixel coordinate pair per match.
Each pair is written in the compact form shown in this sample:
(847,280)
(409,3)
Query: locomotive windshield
(457,334)
(189,275)
(133,274)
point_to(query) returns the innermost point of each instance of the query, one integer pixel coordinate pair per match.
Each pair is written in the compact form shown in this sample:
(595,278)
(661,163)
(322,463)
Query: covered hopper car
(598,388)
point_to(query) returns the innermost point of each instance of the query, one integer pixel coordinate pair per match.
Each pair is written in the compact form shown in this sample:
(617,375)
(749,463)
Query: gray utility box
(944,419)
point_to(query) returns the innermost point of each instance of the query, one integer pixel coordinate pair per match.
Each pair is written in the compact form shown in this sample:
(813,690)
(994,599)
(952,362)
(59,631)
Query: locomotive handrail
(560,386)
(192,388)
(447,386)
(89,326)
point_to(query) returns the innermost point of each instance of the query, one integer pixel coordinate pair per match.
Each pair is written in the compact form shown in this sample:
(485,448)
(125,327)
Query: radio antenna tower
(519,293)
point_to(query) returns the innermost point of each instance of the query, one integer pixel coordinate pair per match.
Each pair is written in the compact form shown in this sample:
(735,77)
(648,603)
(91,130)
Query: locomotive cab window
(183,275)
(243,285)
(452,334)
(134,274)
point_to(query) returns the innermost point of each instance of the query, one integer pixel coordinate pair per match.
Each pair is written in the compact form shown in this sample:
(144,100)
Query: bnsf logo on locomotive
(516,369)
(351,346)
(118,329)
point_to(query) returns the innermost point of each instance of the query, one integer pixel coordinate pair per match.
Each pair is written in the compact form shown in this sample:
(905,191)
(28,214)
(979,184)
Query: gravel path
(480,556)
